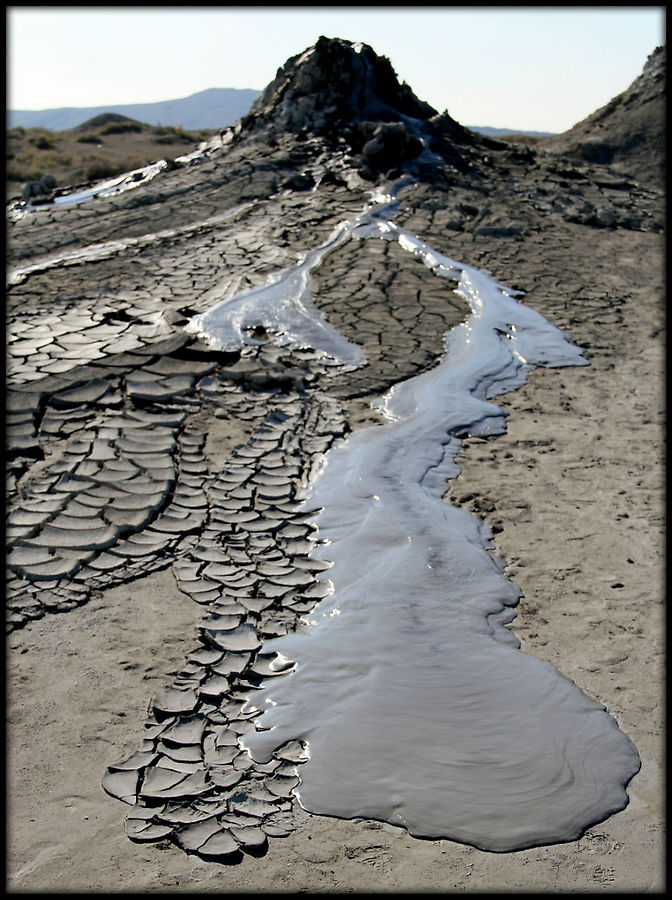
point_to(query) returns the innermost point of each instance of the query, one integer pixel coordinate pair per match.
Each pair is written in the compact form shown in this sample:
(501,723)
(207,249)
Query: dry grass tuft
(120,145)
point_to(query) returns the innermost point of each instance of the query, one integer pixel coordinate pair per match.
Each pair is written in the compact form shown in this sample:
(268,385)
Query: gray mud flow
(415,704)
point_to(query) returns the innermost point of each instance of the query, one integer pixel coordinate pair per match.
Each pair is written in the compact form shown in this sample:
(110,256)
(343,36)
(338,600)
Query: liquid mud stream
(413,699)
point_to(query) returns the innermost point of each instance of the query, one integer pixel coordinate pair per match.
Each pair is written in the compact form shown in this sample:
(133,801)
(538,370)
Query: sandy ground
(574,492)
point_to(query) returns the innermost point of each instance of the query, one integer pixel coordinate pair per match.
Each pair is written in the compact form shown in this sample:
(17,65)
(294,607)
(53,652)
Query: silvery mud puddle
(415,704)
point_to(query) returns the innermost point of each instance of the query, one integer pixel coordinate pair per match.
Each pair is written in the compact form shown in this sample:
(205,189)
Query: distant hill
(212,108)
(500,132)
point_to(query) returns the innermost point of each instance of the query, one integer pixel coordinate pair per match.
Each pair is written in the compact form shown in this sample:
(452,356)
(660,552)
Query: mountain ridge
(212,108)
(209,108)
(349,99)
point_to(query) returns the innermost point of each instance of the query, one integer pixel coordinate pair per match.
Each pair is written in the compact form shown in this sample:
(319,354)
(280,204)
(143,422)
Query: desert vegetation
(102,147)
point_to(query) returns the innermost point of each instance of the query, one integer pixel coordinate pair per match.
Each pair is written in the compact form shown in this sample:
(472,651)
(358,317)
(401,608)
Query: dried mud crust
(387,301)
(168,411)
(175,200)
(125,491)
(250,570)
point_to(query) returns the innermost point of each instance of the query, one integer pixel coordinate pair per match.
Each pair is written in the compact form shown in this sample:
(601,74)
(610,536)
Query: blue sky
(535,68)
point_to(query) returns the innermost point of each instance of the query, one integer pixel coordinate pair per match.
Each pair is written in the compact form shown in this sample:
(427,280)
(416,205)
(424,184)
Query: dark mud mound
(343,91)
(628,133)
(337,82)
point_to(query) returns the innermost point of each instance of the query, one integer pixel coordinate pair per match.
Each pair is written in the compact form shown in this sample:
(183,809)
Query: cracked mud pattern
(110,405)
(108,481)
(249,569)
(123,490)
(398,313)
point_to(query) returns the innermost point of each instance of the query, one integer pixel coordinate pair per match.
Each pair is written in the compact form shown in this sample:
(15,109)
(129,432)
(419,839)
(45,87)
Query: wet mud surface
(143,464)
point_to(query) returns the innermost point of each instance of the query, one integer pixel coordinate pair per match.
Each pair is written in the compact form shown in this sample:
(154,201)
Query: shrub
(32,162)
(99,169)
(42,141)
(120,127)
(173,134)
(90,139)
(175,139)
(22,173)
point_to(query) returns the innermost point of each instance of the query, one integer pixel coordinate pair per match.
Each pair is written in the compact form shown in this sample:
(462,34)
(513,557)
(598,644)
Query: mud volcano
(257,367)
